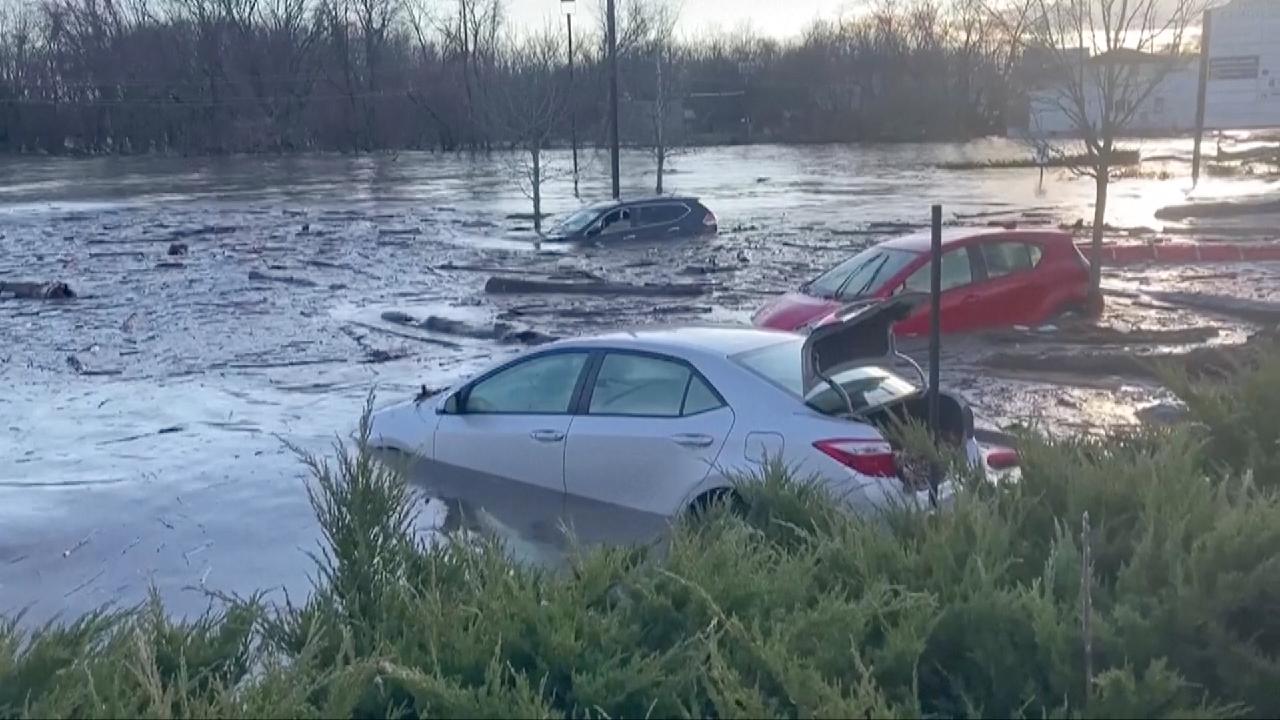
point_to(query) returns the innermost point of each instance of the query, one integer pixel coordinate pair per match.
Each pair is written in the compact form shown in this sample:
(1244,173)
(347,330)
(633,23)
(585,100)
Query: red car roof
(919,242)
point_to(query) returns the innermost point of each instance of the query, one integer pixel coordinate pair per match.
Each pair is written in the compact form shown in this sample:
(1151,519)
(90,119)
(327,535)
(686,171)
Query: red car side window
(956,271)
(1006,258)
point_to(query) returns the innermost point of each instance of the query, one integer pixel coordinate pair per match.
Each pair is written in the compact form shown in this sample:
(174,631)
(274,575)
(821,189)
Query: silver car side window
(700,397)
(639,385)
(542,384)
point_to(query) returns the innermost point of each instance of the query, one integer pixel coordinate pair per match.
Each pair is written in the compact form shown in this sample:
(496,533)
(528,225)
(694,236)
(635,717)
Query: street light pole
(573,111)
(610,11)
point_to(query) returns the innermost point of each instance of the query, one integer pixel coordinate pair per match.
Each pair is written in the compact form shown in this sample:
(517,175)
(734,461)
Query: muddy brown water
(144,423)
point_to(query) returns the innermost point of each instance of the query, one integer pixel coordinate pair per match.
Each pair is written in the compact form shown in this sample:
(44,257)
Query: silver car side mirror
(452,405)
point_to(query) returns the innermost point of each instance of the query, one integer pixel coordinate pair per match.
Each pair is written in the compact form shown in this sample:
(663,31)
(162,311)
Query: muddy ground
(226,308)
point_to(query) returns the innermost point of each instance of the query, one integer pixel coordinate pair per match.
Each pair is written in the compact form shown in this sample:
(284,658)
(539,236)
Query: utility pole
(611,12)
(1200,93)
(573,111)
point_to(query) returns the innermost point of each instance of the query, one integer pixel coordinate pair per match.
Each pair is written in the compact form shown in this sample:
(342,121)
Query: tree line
(223,76)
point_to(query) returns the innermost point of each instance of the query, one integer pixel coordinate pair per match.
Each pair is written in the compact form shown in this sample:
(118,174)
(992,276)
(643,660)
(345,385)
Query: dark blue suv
(652,218)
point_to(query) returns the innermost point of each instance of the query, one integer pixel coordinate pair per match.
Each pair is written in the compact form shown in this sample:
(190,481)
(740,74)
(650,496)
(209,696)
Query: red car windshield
(860,275)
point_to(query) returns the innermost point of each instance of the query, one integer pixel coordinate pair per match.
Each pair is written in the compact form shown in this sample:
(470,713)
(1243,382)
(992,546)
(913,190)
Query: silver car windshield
(868,386)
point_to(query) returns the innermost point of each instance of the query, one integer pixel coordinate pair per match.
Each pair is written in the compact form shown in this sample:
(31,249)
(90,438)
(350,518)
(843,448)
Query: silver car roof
(718,340)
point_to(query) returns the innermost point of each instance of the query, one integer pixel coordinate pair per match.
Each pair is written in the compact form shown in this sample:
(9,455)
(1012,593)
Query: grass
(1238,169)
(789,607)
(1119,159)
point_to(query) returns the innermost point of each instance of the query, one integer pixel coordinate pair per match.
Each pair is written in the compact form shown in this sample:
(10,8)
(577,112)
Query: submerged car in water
(614,436)
(652,218)
(990,278)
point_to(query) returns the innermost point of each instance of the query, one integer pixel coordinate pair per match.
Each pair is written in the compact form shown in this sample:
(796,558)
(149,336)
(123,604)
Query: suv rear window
(663,213)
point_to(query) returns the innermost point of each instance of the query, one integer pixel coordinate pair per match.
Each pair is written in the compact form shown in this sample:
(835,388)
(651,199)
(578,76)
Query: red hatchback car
(990,278)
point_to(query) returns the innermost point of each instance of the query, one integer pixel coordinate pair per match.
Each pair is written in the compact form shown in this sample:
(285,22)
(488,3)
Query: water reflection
(749,182)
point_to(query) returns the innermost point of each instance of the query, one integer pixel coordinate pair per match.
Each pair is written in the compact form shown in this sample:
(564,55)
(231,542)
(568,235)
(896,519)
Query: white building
(1169,108)
(1243,88)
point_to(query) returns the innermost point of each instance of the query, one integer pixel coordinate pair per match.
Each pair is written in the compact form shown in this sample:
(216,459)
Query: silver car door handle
(632,236)
(693,439)
(547,435)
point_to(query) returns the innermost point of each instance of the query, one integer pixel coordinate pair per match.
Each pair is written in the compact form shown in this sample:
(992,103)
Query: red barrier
(1176,253)
(1260,252)
(1221,253)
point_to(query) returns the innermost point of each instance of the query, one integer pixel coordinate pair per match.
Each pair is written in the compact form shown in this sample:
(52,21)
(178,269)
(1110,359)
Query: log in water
(507,286)
(37,290)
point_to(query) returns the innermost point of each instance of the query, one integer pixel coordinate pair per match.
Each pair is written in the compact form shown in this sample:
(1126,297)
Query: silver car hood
(862,334)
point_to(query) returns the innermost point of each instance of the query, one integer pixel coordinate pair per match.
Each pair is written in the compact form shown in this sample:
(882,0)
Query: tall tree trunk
(372,67)
(659,120)
(1103,179)
(536,183)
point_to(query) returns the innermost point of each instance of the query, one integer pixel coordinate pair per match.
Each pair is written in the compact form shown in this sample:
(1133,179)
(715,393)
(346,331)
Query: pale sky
(780,19)
(777,18)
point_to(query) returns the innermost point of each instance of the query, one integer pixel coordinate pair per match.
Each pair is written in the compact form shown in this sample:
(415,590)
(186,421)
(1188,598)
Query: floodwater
(145,426)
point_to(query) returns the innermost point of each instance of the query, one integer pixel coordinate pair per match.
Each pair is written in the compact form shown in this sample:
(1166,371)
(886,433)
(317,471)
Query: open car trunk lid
(861,334)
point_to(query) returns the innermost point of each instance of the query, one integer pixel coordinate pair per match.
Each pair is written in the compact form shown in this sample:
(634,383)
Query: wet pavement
(228,307)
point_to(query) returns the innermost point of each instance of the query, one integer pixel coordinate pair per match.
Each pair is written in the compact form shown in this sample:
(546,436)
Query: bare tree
(634,25)
(661,24)
(527,106)
(198,76)
(471,38)
(286,45)
(1107,57)
(17,45)
(374,19)
(985,47)
(435,86)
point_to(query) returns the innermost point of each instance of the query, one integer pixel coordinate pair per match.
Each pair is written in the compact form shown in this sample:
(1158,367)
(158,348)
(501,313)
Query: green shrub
(780,605)
(1241,415)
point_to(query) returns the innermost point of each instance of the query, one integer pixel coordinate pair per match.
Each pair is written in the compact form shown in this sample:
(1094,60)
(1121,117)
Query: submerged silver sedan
(609,438)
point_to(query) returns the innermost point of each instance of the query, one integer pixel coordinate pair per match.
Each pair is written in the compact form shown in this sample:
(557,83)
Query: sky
(781,19)
(777,18)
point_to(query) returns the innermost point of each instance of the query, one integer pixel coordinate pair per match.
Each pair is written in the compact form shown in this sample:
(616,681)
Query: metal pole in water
(573,112)
(610,11)
(1200,97)
(935,343)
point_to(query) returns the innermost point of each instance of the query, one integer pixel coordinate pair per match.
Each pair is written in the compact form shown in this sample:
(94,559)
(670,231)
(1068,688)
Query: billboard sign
(1243,88)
